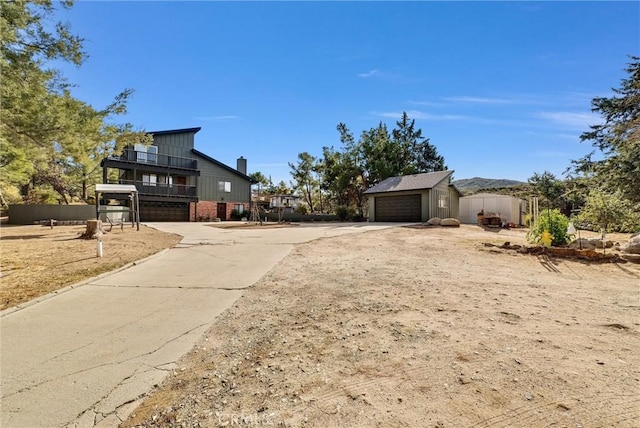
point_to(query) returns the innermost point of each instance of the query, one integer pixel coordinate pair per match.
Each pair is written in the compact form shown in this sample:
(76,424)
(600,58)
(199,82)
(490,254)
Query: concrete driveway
(82,358)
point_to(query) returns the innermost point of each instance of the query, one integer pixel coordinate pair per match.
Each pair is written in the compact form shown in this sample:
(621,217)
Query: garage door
(164,211)
(398,208)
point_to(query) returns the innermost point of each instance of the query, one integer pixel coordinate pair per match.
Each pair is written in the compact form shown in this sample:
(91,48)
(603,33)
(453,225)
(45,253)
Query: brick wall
(208,210)
(203,211)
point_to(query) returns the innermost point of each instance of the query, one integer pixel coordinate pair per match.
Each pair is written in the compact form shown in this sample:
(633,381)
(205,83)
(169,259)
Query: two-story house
(176,182)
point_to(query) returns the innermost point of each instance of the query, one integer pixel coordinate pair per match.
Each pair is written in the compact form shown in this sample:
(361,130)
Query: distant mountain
(471,185)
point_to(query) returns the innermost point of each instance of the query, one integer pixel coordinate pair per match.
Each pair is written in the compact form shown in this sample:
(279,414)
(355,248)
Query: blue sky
(502,89)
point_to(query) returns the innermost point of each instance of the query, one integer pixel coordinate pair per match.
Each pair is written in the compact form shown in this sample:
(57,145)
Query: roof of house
(426,180)
(221,165)
(175,131)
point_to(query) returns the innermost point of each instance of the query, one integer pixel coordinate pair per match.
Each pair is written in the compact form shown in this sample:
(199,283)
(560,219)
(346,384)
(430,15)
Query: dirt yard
(416,327)
(36,260)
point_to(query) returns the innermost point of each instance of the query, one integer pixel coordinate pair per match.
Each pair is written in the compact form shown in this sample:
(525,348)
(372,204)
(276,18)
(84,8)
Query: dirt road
(417,327)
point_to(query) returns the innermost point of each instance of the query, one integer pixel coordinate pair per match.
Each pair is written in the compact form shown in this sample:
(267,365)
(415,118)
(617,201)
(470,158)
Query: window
(165,180)
(443,200)
(149,179)
(146,154)
(224,186)
(239,208)
(152,154)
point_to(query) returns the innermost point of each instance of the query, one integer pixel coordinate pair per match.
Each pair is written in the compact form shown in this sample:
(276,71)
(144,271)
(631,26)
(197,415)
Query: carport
(124,193)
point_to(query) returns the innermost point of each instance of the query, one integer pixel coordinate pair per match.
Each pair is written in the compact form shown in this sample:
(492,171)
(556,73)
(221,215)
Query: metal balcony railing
(156,159)
(160,189)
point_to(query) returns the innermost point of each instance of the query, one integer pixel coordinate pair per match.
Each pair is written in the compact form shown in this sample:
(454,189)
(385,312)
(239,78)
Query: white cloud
(481,100)
(415,114)
(222,117)
(426,103)
(567,119)
(371,73)
(559,135)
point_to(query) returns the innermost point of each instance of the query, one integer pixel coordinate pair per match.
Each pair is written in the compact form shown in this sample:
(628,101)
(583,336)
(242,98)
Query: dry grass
(36,260)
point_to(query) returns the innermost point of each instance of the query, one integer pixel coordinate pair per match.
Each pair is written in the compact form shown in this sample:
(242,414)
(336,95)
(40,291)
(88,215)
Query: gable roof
(221,165)
(426,180)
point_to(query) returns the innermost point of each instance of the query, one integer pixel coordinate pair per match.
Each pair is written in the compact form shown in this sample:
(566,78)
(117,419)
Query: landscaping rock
(434,221)
(450,222)
(582,243)
(633,246)
(590,244)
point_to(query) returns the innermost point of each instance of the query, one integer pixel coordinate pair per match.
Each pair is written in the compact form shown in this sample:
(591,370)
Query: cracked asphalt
(84,357)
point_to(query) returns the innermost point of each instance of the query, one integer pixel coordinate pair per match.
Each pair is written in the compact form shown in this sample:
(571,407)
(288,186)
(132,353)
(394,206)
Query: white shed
(510,208)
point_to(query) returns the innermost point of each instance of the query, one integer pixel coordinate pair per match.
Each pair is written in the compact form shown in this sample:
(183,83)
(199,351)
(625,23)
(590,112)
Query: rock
(600,244)
(450,222)
(434,221)
(590,244)
(633,246)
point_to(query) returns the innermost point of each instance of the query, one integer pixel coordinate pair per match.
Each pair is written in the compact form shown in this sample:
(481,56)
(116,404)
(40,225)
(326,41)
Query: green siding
(441,188)
(454,203)
(181,145)
(175,144)
(211,174)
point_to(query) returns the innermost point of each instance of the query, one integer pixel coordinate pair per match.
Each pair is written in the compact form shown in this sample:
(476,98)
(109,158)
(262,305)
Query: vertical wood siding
(211,174)
(175,144)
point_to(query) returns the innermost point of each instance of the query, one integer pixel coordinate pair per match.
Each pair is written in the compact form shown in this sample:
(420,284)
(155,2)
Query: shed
(509,208)
(414,198)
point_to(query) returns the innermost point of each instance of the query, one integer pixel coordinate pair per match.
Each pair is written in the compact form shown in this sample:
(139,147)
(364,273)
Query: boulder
(603,244)
(633,246)
(590,244)
(434,221)
(450,222)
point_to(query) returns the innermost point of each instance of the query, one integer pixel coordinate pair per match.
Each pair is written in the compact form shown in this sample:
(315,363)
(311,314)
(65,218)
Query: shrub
(342,212)
(609,212)
(357,217)
(555,223)
(301,209)
(236,215)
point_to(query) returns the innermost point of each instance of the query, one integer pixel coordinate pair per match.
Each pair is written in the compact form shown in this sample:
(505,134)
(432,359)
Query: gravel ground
(420,327)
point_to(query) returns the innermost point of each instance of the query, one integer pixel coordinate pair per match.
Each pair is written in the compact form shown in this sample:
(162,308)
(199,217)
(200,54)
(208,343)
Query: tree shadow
(548,263)
(627,271)
(18,237)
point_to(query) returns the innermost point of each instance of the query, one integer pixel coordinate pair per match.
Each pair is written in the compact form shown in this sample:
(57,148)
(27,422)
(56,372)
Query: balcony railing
(160,189)
(156,159)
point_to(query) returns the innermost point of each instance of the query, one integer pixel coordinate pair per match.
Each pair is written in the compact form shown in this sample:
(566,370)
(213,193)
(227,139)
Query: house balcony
(157,191)
(132,159)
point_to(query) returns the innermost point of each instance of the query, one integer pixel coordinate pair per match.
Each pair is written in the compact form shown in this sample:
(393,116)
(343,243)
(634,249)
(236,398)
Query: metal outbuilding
(509,208)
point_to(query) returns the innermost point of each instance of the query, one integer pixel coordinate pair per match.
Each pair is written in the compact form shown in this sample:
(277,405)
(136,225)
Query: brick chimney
(242,165)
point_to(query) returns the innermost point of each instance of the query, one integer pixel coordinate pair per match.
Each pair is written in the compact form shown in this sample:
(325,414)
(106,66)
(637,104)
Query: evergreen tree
(617,140)
(50,142)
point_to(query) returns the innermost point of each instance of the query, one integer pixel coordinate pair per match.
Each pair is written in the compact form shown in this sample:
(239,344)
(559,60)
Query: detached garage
(413,198)
(509,208)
